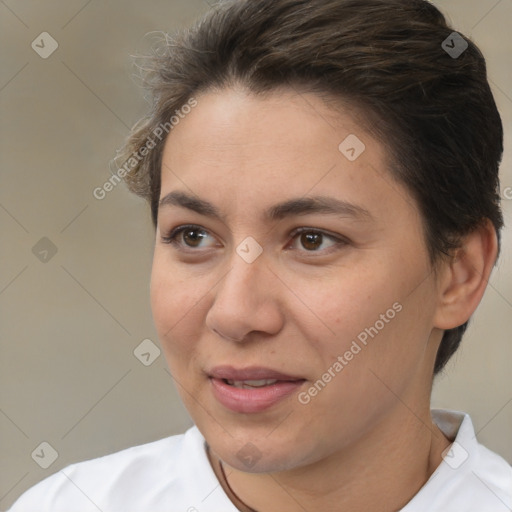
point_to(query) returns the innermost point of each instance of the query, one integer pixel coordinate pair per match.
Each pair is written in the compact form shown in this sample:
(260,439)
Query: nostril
(227,337)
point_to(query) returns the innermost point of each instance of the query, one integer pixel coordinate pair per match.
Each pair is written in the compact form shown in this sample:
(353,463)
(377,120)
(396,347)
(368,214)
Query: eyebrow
(292,207)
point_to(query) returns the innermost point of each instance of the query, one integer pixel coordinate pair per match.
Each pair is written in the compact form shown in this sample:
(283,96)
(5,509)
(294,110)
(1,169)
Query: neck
(382,471)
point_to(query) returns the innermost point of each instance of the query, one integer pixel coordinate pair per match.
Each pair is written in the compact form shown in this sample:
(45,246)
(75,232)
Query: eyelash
(339,241)
(171,237)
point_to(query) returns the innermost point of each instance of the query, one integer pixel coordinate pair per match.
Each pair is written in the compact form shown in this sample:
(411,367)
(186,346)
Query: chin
(255,452)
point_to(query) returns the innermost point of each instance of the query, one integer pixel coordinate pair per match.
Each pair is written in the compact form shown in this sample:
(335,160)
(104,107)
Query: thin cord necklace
(231,490)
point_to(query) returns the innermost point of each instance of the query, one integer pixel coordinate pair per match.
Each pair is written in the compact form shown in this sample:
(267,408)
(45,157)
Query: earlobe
(463,280)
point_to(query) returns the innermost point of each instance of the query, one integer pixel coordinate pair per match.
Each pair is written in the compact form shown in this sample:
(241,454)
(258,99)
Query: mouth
(250,384)
(251,390)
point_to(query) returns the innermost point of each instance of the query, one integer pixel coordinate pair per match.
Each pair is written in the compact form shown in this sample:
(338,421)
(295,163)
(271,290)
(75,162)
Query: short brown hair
(433,110)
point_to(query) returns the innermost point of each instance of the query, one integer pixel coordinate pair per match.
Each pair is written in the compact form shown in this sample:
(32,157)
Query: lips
(251,390)
(251,373)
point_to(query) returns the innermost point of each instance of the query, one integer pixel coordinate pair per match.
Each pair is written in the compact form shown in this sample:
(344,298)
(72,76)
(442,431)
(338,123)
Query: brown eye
(311,241)
(188,237)
(308,240)
(193,237)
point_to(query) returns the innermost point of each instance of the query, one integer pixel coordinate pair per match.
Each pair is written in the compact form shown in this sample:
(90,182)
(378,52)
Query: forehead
(267,148)
(235,118)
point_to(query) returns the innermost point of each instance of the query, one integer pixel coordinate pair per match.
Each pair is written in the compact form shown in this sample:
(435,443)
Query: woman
(323,181)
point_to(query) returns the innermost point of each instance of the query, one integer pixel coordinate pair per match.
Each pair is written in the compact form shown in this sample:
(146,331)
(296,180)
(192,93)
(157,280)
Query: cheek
(175,304)
(349,301)
(370,312)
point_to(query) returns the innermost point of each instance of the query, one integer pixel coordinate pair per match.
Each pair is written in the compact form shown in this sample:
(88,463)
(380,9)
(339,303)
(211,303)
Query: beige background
(68,327)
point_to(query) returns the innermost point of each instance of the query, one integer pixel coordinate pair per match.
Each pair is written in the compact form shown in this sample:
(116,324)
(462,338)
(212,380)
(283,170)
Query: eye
(313,240)
(189,236)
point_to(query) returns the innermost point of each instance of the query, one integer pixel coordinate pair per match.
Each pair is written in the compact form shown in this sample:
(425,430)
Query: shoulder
(471,477)
(174,470)
(494,474)
(483,481)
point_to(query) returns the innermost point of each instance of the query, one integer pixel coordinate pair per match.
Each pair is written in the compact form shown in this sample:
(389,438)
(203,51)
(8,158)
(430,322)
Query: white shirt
(174,475)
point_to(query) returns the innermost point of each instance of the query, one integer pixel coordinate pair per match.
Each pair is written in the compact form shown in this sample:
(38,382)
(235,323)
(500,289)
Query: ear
(463,280)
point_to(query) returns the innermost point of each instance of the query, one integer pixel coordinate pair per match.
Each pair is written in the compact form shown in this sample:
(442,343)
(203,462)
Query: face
(291,287)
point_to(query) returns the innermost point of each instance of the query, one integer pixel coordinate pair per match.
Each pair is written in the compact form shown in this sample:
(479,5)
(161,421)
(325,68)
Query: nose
(246,301)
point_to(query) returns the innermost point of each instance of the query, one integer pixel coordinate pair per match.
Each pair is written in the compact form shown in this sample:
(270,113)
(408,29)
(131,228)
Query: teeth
(250,384)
